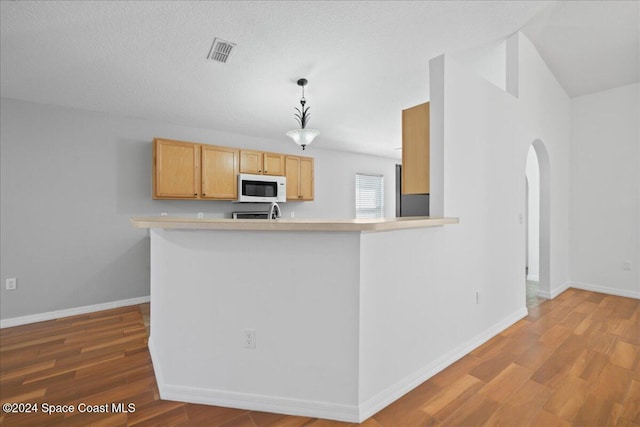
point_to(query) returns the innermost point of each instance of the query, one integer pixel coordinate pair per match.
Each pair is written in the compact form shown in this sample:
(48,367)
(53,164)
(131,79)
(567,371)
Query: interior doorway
(532,225)
(537,195)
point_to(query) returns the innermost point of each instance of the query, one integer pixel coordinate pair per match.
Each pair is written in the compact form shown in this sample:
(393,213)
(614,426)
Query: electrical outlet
(626,265)
(292,214)
(249,338)
(11,284)
(200,215)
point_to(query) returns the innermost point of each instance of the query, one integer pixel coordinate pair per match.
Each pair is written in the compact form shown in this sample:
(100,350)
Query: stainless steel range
(251,215)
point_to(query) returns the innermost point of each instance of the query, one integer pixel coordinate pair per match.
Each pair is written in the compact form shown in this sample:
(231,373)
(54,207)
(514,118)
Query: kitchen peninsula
(300,317)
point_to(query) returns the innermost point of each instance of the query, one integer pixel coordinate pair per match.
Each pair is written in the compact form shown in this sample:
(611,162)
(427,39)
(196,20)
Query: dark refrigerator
(409,204)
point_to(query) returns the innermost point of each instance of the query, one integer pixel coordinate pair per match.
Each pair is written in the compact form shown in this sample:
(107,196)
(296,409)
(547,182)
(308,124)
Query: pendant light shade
(302,136)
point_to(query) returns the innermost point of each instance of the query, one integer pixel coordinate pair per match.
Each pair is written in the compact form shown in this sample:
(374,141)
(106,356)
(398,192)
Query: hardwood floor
(572,361)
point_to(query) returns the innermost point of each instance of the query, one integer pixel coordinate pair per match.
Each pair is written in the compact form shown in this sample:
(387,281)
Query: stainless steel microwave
(261,188)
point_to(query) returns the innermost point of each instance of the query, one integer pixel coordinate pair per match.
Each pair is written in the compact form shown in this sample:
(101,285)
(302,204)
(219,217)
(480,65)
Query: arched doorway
(537,224)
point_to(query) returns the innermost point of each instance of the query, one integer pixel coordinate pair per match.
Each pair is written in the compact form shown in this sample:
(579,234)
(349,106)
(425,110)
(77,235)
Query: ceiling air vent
(220,50)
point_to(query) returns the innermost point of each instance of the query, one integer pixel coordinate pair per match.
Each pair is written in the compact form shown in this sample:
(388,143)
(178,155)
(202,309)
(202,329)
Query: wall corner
(512,61)
(436,136)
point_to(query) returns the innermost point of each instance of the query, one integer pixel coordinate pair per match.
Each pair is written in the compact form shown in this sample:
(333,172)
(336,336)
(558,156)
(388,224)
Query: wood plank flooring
(573,361)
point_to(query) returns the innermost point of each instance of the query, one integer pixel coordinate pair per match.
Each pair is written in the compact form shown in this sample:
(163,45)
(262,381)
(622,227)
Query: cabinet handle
(195,194)
(259,171)
(203,194)
(265,171)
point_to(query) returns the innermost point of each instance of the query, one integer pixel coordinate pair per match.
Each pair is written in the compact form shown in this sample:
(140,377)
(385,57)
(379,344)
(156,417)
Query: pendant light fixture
(303,136)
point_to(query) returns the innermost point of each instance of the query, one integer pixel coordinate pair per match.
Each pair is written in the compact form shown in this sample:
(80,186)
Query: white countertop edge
(383,224)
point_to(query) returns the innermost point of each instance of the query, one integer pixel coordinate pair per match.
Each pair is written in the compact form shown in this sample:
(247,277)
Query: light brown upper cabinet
(299,173)
(415,149)
(185,170)
(261,163)
(274,164)
(176,169)
(219,172)
(250,161)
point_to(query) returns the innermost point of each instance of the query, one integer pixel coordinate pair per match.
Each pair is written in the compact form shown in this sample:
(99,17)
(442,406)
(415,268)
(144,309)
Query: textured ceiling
(365,61)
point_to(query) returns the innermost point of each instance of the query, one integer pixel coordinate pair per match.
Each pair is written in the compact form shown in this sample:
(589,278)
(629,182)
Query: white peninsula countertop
(378,224)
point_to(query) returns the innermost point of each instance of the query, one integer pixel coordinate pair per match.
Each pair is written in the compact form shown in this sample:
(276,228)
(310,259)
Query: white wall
(480,135)
(545,115)
(605,181)
(533,214)
(485,134)
(418,310)
(301,296)
(489,61)
(472,123)
(72,179)
(483,187)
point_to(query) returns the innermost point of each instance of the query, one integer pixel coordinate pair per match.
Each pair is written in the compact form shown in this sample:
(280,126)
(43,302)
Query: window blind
(369,196)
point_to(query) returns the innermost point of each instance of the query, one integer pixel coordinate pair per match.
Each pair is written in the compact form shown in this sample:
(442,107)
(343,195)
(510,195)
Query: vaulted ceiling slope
(365,61)
(590,46)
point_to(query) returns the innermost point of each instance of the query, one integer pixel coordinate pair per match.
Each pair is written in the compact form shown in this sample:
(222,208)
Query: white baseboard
(254,402)
(606,290)
(51,315)
(554,292)
(405,385)
(332,411)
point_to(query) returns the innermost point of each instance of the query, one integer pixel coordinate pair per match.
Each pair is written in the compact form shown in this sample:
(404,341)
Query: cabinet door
(219,172)
(293,177)
(299,178)
(176,169)
(251,162)
(273,164)
(415,150)
(306,178)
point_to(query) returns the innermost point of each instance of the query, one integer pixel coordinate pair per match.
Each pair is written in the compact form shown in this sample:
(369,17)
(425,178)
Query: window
(369,196)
